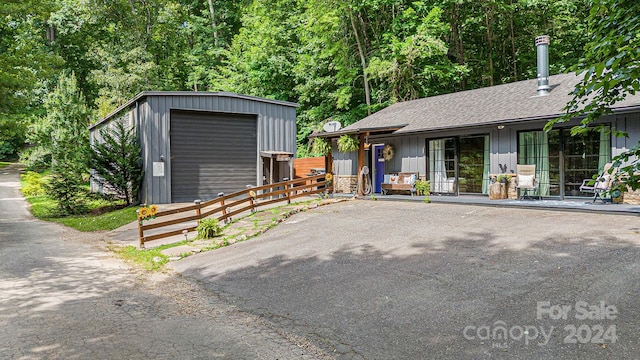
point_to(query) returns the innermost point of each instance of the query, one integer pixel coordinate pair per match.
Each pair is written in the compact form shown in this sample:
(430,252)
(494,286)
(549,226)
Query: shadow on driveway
(383,280)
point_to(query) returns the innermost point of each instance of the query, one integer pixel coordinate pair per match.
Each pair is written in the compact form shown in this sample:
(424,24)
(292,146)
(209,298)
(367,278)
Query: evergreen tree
(117,162)
(63,134)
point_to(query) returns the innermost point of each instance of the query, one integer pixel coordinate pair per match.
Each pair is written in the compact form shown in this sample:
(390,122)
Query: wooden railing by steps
(226,206)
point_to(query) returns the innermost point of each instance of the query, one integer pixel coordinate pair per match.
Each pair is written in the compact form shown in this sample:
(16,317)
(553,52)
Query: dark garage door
(211,153)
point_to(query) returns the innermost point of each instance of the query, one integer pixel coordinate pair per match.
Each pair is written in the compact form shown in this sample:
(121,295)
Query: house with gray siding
(196,145)
(457,140)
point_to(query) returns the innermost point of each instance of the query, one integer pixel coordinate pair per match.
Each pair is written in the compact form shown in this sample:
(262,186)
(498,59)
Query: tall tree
(64,131)
(27,66)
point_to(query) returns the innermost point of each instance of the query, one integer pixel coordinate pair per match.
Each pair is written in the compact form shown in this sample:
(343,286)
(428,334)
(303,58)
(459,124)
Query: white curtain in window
(437,168)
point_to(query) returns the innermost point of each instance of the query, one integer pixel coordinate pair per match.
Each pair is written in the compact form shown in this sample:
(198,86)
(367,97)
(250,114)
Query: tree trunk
(133,9)
(457,40)
(363,63)
(487,18)
(213,23)
(513,44)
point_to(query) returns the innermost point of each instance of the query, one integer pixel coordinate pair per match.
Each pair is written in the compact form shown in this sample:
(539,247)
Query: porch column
(291,169)
(329,161)
(360,159)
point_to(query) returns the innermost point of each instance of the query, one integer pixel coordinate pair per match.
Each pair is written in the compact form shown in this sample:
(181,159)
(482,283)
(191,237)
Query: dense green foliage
(34,184)
(611,70)
(117,162)
(339,60)
(65,63)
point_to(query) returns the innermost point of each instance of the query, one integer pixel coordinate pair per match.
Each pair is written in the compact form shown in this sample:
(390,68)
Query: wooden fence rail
(227,206)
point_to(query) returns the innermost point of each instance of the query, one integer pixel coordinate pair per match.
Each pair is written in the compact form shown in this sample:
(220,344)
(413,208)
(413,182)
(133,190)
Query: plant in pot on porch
(617,192)
(423,187)
(499,189)
(348,143)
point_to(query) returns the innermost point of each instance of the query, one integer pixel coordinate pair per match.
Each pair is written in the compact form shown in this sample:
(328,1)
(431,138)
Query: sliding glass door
(564,161)
(473,164)
(459,165)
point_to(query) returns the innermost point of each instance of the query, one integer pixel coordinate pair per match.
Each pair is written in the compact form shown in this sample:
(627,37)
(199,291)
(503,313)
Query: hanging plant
(388,152)
(348,143)
(320,146)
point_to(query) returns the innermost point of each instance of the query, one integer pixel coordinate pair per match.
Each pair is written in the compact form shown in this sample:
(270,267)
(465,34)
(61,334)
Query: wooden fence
(227,206)
(302,167)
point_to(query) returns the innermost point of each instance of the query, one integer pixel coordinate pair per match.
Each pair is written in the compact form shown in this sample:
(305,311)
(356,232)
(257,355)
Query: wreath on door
(388,152)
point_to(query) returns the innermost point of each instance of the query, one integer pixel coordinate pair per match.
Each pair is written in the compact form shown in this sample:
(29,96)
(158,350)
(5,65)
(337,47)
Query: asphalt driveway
(393,280)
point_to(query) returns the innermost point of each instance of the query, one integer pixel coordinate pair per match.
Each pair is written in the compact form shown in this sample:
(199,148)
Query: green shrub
(66,187)
(208,228)
(35,184)
(423,187)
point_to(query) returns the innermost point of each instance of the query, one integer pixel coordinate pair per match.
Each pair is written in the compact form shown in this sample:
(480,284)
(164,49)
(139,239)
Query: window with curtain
(441,163)
(558,156)
(533,149)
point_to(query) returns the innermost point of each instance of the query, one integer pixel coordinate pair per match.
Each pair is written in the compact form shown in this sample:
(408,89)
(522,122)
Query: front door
(378,165)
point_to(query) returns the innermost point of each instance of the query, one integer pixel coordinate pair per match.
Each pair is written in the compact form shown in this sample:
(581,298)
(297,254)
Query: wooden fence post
(224,209)
(140,232)
(198,213)
(288,191)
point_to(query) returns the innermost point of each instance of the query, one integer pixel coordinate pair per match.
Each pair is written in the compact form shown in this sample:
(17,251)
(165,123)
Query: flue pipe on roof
(542,48)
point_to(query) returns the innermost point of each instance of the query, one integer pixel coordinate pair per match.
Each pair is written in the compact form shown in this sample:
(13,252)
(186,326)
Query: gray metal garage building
(198,144)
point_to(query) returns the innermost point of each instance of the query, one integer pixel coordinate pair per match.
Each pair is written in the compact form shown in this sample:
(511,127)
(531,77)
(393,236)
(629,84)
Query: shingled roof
(500,104)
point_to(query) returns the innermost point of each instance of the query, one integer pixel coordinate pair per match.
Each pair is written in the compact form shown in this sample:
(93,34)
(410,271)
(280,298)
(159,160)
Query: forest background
(339,59)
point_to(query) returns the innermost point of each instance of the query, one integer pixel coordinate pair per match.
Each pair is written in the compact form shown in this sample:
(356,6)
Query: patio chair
(601,185)
(526,180)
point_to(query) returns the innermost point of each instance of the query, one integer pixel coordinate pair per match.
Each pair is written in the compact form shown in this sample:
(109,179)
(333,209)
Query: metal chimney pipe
(542,48)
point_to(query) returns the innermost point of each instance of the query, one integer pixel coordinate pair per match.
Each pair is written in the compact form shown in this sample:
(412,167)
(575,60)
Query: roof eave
(188,93)
(357,131)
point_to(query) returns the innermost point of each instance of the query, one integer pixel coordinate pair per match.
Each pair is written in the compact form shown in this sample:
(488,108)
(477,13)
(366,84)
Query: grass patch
(108,221)
(147,259)
(4,163)
(103,214)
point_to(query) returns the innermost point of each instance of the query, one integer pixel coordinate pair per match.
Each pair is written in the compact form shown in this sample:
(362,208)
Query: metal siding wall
(276,131)
(344,163)
(409,155)
(631,124)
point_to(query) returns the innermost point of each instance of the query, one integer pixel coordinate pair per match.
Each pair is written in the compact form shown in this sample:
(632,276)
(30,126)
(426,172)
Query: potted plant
(423,187)
(348,143)
(617,192)
(503,179)
(499,189)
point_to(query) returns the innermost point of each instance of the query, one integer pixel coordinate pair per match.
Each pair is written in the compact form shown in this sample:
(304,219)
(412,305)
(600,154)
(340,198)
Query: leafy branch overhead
(610,71)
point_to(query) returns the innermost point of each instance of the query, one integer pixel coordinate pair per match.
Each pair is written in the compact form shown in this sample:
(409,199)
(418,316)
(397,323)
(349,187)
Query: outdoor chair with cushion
(601,185)
(526,180)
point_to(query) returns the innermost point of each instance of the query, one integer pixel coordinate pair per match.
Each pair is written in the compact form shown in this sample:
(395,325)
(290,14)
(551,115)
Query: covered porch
(573,204)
